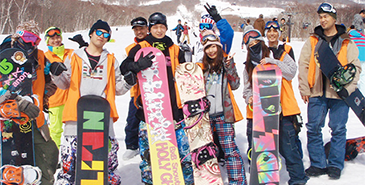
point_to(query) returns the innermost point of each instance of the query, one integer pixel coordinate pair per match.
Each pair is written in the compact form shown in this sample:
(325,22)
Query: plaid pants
(234,163)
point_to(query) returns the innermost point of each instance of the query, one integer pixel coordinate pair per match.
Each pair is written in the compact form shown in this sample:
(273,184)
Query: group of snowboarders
(91,69)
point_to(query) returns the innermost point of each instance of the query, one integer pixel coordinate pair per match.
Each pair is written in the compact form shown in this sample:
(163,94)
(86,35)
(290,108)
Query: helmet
(157,18)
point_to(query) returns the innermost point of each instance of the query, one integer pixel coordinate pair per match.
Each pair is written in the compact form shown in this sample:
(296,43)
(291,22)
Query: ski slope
(129,170)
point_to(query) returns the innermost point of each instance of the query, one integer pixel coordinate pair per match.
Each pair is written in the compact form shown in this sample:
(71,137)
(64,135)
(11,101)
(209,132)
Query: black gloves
(27,107)
(130,78)
(78,38)
(57,68)
(277,52)
(212,10)
(142,63)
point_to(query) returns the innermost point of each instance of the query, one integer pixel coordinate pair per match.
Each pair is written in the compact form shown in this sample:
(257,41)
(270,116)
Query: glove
(142,63)
(130,78)
(27,107)
(212,10)
(78,38)
(57,68)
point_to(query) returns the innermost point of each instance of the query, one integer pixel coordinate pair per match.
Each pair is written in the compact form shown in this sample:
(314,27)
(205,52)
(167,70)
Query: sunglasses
(251,34)
(139,23)
(272,24)
(53,32)
(326,7)
(29,37)
(206,26)
(105,34)
(207,38)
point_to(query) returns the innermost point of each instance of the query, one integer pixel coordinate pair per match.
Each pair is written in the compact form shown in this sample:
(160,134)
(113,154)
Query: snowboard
(154,87)
(93,117)
(266,87)
(354,147)
(330,66)
(190,82)
(17,144)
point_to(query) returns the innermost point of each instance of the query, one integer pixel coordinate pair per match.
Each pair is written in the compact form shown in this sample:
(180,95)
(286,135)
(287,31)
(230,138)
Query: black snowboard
(329,64)
(354,147)
(93,116)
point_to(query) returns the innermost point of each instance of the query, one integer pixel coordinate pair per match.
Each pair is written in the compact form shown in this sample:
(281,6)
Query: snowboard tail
(93,117)
(265,131)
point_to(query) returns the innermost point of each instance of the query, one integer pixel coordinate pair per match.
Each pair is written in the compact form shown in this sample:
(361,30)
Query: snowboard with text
(190,82)
(266,85)
(93,117)
(332,69)
(17,143)
(154,87)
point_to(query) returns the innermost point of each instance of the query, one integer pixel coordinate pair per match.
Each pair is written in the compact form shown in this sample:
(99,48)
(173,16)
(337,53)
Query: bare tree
(5,14)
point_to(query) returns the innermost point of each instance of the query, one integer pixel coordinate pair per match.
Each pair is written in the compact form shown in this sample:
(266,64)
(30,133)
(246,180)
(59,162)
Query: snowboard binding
(195,107)
(203,154)
(344,75)
(22,175)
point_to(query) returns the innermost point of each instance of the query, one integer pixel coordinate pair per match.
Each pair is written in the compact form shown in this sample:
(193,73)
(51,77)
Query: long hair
(249,66)
(213,65)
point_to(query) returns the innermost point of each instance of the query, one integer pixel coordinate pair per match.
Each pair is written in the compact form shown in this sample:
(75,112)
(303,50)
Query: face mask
(256,53)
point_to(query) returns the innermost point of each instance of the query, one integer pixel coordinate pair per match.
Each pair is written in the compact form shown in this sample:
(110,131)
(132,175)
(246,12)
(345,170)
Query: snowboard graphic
(93,116)
(340,76)
(190,82)
(265,130)
(25,174)
(354,147)
(17,145)
(164,155)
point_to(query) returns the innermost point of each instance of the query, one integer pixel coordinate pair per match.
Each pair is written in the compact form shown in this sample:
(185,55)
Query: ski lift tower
(289,23)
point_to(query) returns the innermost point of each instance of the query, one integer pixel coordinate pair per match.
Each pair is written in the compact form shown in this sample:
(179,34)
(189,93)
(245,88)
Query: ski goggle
(251,35)
(105,34)
(327,8)
(29,37)
(206,26)
(210,37)
(53,32)
(157,19)
(272,24)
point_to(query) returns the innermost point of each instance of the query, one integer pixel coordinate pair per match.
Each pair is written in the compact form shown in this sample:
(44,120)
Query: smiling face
(140,32)
(158,31)
(55,41)
(326,21)
(272,35)
(211,51)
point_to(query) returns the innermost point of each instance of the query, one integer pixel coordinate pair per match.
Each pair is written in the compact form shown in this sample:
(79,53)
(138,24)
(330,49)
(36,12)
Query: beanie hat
(327,8)
(156,18)
(251,35)
(206,18)
(47,36)
(272,24)
(100,25)
(209,38)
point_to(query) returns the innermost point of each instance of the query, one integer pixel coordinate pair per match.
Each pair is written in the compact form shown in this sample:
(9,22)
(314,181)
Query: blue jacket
(359,40)
(226,34)
(179,28)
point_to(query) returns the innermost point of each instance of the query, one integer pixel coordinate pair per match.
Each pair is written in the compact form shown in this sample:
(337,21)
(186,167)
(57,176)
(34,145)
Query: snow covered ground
(129,170)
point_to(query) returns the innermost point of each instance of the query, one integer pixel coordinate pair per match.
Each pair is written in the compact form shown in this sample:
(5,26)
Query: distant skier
(259,24)
(186,32)
(178,29)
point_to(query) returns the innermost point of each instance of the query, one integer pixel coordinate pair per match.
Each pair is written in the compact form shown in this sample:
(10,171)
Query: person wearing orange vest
(140,29)
(56,53)
(290,146)
(221,78)
(34,107)
(157,38)
(321,98)
(90,70)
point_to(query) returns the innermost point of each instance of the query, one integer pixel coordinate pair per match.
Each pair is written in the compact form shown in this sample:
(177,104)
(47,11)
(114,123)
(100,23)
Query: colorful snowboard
(165,160)
(93,117)
(266,87)
(329,64)
(354,147)
(17,146)
(190,82)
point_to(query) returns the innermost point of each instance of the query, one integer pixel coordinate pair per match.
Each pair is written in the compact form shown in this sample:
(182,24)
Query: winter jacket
(80,80)
(310,76)
(134,89)
(359,40)
(288,68)
(176,56)
(231,81)
(60,96)
(179,28)
(358,22)
(186,29)
(259,24)
(226,34)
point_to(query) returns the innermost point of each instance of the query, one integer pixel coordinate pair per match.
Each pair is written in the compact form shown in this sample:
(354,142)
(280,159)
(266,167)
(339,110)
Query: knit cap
(46,35)
(100,25)
(209,38)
